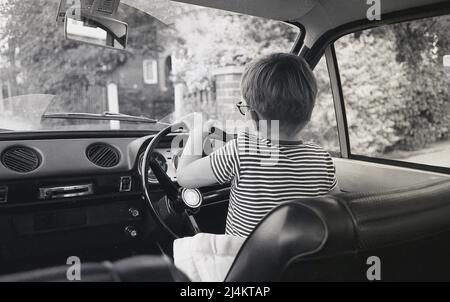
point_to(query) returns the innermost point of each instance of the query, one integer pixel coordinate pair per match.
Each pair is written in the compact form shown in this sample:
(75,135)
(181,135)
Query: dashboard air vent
(103,155)
(21,159)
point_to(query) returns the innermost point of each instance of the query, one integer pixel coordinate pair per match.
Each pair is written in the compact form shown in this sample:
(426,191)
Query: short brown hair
(280,87)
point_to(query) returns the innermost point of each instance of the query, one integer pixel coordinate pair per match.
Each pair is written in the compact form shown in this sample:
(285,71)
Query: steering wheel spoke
(192,223)
(169,187)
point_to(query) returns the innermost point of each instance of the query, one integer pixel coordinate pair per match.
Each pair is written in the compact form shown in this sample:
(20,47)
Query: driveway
(438,155)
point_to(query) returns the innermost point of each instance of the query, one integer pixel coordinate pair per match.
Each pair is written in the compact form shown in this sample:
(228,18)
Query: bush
(323,127)
(396,91)
(372,86)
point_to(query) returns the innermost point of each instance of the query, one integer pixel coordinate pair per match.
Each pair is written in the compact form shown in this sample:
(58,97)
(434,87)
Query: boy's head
(280,87)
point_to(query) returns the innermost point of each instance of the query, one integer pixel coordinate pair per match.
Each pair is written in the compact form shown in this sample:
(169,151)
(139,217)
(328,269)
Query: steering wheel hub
(192,198)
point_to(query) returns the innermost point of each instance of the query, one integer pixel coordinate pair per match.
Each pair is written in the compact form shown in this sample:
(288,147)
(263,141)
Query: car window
(194,63)
(322,129)
(396,87)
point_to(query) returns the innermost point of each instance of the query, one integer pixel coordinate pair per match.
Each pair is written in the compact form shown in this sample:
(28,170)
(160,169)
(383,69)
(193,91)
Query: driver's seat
(324,239)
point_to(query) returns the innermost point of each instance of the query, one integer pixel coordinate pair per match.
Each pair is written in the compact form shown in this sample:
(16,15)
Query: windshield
(192,63)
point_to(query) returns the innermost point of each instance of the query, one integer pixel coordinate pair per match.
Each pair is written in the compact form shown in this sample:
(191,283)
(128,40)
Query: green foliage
(228,40)
(395,87)
(426,111)
(47,63)
(371,81)
(322,128)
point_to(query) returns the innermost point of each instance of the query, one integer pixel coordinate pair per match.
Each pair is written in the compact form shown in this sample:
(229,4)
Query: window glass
(150,72)
(180,58)
(322,129)
(396,86)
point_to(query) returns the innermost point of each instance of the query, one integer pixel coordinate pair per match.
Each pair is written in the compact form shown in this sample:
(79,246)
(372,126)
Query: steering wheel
(178,205)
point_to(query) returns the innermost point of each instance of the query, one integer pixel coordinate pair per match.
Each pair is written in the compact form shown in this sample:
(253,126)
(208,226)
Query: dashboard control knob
(134,212)
(131,232)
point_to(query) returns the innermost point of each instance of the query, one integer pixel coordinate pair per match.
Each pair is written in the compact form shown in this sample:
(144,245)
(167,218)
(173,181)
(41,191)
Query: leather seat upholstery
(320,239)
(331,238)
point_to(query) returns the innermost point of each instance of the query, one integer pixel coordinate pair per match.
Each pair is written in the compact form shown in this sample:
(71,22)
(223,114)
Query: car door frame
(324,46)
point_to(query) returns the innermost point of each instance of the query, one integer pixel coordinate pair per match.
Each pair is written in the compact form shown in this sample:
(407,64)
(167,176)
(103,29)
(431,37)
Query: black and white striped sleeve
(225,162)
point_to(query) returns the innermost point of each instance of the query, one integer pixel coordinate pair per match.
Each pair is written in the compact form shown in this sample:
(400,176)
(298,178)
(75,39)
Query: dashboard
(74,194)
(79,156)
(64,194)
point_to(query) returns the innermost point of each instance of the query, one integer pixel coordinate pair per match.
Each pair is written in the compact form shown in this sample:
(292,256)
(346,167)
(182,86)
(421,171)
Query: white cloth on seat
(206,257)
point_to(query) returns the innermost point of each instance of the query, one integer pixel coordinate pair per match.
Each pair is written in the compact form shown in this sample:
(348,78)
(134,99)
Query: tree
(45,62)
(395,87)
(421,46)
(214,38)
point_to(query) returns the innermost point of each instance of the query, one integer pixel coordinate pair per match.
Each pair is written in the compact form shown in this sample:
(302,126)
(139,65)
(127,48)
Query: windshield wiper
(107,116)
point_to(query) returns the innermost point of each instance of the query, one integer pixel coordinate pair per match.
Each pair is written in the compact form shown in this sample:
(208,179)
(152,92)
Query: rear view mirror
(96,30)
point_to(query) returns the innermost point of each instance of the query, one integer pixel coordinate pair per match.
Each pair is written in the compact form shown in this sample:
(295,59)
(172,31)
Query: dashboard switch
(134,212)
(125,184)
(3,194)
(131,232)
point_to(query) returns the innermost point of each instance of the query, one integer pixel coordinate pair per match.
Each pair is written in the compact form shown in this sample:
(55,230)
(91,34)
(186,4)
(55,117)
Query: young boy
(279,88)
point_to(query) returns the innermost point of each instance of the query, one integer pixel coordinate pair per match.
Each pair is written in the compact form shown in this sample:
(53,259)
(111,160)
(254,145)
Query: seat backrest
(331,238)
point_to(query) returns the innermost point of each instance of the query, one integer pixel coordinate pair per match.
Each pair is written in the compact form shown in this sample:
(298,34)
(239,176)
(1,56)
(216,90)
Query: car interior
(111,196)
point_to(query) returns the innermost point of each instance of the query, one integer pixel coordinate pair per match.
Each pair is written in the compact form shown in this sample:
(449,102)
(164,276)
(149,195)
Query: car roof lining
(317,16)
(355,10)
(284,10)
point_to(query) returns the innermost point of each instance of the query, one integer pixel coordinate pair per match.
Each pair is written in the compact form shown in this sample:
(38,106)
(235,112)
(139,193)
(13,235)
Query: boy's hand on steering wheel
(198,125)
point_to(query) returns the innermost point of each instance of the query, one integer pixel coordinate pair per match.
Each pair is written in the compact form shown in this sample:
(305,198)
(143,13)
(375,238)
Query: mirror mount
(106,8)
(95,29)
(93,22)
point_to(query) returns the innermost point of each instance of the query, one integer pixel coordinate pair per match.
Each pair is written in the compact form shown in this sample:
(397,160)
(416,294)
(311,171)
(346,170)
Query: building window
(150,72)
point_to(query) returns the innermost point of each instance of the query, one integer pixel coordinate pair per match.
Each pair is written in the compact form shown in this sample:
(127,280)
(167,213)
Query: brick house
(144,86)
(217,101)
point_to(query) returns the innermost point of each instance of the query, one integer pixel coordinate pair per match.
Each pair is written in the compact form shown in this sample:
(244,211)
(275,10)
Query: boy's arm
(193,170)
(196,174)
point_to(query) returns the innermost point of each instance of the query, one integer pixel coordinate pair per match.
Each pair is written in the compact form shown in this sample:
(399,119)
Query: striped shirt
(264,174)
